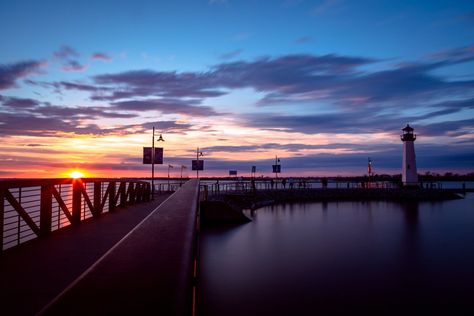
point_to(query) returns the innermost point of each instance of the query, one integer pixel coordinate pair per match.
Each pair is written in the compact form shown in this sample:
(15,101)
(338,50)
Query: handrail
(31,208)
(216,188)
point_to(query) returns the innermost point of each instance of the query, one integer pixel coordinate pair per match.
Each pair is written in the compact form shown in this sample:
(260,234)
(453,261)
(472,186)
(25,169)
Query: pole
(153,165)
(181,179)
(276,163)
(197,158)
(169,177)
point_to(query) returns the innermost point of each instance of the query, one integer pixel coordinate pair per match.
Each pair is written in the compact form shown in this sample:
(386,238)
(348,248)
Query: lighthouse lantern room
(409,172)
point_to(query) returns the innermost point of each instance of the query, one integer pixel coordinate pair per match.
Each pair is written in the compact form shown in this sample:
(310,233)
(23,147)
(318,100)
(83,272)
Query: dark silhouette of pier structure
(105,247)
(97,247)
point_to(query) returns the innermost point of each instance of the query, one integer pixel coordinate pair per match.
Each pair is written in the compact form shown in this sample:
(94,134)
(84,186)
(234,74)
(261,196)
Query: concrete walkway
(35,273)
(148,272)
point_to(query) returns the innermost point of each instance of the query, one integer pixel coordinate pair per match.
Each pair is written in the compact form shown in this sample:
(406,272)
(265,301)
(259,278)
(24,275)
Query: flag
(170,166)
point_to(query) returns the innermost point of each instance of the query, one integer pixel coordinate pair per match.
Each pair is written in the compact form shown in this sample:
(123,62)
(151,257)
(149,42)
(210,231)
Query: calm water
(342,258)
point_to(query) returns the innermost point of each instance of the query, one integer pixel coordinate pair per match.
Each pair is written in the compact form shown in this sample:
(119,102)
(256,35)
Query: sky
(322,85)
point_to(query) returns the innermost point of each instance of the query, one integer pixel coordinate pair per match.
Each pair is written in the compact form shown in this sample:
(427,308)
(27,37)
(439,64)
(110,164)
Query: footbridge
(97,247)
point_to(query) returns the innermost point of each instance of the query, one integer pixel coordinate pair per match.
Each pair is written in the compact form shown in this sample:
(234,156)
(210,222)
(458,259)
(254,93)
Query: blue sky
(312,81)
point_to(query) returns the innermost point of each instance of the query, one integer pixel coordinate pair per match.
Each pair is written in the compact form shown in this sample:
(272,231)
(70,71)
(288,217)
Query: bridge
(97,246)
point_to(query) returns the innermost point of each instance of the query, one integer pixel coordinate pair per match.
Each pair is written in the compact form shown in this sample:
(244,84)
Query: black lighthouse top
(408,134)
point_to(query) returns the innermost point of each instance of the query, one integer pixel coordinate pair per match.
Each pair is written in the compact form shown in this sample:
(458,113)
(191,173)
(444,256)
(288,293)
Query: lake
(343,258)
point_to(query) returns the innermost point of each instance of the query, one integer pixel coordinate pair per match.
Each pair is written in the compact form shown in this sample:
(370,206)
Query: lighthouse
(409,173)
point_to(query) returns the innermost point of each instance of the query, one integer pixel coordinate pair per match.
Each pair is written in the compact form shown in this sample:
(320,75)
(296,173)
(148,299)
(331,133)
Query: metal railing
(34,208)
(216,188)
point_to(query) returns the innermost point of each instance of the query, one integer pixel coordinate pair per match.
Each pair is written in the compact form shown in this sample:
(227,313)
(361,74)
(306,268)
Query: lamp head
(160,139)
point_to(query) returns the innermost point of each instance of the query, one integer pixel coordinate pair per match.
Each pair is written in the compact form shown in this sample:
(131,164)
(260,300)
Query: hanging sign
(147,155)
(198,165)
(276,168)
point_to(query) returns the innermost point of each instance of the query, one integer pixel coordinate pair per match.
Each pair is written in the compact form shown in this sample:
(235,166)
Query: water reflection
(376,258)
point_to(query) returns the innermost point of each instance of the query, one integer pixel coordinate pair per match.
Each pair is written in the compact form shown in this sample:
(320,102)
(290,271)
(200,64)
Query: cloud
(51,121)
(101,56)
(10,73)
(231,54)
(18,103)
(65,52)
(166,106)
(74,66)
(154,83)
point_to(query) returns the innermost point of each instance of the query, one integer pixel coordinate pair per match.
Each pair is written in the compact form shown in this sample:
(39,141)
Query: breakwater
(228,206)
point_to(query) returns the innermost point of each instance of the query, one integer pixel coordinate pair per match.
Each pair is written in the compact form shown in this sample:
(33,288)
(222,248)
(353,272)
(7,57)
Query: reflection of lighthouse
(409,174)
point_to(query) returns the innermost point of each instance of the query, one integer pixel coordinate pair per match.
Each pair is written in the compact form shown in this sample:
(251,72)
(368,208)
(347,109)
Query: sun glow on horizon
(76,174)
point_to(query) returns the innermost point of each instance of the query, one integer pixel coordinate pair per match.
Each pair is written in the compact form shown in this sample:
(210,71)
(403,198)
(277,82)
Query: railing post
(2,208)
(147,192)
(97,198)
(139,189)
(76,201)
(112,196)
(46,209)
(123,193)
(131,188)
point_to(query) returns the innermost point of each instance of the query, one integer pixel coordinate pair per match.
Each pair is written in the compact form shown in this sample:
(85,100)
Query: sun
(76,174)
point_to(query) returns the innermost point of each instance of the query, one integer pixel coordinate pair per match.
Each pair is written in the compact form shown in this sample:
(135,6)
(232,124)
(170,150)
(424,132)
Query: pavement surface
(34,273)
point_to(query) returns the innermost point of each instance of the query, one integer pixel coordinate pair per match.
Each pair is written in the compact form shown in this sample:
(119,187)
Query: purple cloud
(101,56)
(74,66)
(65,52)
(166,84)
(18,103)
(10,73)
(167,106)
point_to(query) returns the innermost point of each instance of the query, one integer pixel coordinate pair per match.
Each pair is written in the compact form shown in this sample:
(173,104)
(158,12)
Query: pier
(140,256)
(111,246)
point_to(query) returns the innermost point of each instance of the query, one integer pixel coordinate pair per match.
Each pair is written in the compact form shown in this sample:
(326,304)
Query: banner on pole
(254,169)
(276,168)
(198,165)
(158,156)
(232,172)
(147,155)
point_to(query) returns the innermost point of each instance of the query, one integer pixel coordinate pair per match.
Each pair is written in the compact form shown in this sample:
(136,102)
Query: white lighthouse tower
(409,173)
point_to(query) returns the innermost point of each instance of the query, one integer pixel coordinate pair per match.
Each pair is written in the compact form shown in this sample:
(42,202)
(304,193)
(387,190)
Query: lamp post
(153,161)
(198,154)
(276,163)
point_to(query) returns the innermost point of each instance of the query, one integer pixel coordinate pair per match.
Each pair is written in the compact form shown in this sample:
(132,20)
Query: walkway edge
(180,208)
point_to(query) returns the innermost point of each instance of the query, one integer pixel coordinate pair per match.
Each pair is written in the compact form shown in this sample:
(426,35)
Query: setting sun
(76,174)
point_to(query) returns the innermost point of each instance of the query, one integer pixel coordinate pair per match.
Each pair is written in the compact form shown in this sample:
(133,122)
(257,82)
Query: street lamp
(160,139)
(198,154)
